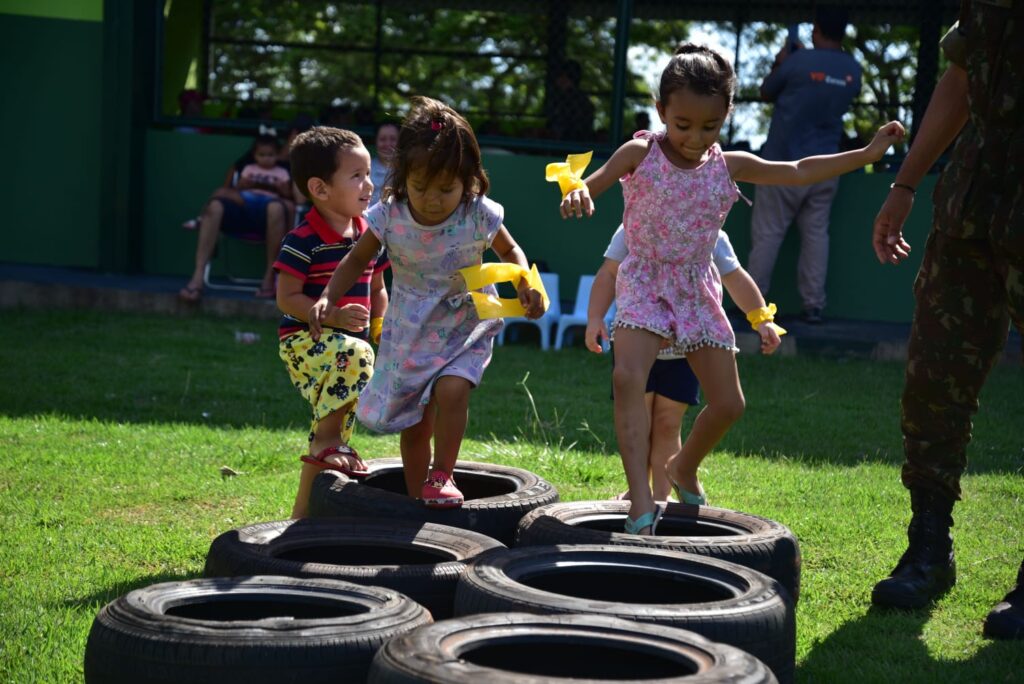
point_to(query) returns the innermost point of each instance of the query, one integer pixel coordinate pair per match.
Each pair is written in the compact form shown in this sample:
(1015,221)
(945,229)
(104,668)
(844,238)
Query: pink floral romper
(668,283)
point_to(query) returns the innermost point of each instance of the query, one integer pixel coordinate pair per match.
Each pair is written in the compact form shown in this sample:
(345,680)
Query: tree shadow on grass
(150,370)
(887,646)
(105,596)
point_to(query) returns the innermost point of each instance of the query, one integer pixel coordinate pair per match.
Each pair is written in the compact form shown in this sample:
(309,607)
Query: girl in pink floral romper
(678,187)
(434,220)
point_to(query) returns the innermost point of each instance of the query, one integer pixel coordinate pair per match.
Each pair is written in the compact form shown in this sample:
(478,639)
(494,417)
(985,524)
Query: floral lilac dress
(668,283)
(431,328)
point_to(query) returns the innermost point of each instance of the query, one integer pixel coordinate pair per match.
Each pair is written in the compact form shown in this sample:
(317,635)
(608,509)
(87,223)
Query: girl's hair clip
(268,130)
(436,125)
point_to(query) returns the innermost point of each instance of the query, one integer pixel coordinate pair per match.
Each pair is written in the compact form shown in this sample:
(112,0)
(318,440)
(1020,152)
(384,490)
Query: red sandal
(343,450)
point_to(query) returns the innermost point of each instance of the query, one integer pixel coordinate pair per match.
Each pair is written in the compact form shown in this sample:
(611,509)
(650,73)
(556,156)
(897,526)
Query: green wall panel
(52,122)
(81,10)
(182,169)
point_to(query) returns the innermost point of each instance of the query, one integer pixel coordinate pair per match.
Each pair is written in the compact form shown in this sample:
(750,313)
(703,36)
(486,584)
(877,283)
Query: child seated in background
(332,169)
(671,385)
(259,204)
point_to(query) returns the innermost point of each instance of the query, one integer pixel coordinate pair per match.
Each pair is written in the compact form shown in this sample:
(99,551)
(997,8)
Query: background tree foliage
(490,60)
(493,61)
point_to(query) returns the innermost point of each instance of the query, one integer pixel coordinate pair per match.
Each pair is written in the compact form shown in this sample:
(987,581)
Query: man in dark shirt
(811,90)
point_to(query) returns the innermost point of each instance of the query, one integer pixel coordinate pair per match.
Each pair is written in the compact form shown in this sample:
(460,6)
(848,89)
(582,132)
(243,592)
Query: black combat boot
(1006,620)
(927,569)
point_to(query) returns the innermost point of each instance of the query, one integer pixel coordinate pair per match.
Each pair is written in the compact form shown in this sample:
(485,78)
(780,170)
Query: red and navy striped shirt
(311,252)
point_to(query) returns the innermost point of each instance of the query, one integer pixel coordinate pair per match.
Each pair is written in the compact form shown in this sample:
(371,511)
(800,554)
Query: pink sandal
(320,460)
(439,491)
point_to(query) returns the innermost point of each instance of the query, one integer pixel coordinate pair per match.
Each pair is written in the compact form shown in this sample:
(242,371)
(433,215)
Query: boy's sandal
(344,450)
(646,520)
(687,497)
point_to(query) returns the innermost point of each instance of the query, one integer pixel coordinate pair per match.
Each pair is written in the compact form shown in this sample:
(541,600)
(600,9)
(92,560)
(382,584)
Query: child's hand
(531,300)
(317,316)
(577,203)
(596,331)
(887,136)
(770,339)
(352,317)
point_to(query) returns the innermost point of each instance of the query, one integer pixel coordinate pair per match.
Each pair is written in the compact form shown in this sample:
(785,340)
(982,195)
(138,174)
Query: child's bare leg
(209,230)
(230,194)
(649,404)
(716,370)
(666,422)
(415,446)
(276,217)
(452,396)
(326,434)
(635,351)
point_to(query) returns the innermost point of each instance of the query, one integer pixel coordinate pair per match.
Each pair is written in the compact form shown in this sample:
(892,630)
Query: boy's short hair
(314,154)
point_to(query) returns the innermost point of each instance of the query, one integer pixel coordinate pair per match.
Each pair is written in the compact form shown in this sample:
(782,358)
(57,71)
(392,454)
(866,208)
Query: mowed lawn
(113,429)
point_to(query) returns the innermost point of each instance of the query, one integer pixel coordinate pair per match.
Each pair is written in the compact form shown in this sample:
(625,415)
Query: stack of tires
(375,587)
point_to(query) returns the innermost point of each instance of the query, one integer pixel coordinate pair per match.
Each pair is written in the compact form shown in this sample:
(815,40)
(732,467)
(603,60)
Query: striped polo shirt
(311,252)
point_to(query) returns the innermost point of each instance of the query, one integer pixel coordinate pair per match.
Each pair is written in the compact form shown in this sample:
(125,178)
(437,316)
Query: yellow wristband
(376,325)
(764,314)
(569,174)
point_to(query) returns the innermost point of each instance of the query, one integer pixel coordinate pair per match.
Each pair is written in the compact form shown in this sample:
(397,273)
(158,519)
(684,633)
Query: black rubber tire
(749,540)
(252,630)
(496,497)
(421,560)
(519,648)
(724,602)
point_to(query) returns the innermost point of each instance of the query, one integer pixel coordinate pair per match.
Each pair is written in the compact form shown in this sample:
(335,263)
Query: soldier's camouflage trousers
(966,293)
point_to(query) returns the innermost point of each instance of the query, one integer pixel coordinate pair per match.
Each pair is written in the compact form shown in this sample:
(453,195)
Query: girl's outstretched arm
(744,166)
(624,161)
(343,278)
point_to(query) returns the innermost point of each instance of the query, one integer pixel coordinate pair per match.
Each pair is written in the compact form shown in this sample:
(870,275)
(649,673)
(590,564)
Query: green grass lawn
(113,429)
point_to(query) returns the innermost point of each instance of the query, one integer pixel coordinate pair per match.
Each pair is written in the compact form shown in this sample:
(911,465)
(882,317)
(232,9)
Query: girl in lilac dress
(435,218)
(678,186)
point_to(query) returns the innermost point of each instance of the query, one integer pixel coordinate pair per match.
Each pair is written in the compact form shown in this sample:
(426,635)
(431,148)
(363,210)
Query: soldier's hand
(887,239)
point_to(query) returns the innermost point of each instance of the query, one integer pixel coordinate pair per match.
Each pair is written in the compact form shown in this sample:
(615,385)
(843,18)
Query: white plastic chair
(579,311)
(544,322)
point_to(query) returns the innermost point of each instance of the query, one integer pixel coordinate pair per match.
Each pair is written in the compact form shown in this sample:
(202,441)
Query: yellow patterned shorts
(330,374)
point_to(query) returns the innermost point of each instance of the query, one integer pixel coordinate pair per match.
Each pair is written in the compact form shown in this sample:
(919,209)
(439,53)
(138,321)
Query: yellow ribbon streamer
(765,314)
(376,325)
(569,173)
(490,306)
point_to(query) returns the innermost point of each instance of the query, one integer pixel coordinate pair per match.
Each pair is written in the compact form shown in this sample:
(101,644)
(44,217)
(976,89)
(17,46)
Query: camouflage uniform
(971,281)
